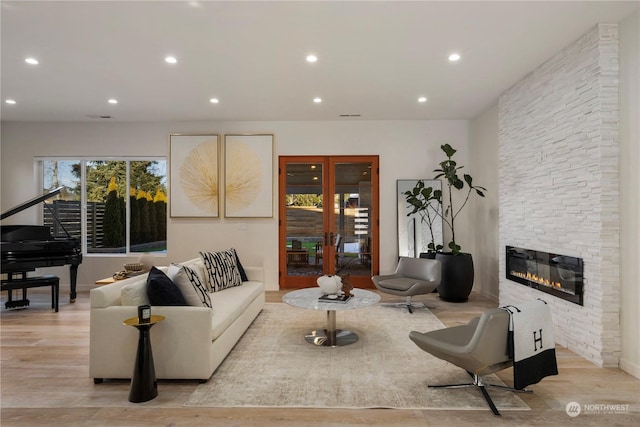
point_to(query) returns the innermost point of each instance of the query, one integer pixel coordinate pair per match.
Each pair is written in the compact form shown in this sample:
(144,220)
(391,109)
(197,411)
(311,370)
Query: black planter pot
(428,255)
(457,276)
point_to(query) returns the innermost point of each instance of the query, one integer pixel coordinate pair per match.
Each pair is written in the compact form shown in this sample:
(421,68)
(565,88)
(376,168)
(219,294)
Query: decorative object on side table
(134,267)
(144,386)
(144,313)
(147,260)
(130,270)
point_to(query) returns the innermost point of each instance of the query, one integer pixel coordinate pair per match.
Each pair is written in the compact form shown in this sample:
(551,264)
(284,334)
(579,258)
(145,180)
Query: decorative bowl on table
(133,267)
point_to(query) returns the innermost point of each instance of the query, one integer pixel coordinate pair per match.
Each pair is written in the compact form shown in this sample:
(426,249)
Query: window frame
(83,160)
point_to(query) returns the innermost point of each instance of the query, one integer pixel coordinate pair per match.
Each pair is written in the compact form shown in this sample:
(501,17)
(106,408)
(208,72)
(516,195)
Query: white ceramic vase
(330,284)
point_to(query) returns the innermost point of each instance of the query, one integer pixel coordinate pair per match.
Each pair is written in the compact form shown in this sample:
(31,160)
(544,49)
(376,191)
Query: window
(125,203)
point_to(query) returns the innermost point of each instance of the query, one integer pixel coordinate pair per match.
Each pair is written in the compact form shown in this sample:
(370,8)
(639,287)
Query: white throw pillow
(190,284)
(134,294)
(222,269)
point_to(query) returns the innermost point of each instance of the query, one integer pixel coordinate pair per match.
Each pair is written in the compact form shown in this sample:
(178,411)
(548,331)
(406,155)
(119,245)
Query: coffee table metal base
(331,337)
(320,337)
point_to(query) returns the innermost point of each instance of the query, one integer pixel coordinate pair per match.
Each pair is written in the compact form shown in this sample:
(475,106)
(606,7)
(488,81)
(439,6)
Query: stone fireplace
(558,176)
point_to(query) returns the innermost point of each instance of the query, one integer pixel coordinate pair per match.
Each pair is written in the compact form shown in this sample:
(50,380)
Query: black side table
(144,386)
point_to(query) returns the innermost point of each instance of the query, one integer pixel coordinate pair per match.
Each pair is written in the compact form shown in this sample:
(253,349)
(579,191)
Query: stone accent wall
(558,151)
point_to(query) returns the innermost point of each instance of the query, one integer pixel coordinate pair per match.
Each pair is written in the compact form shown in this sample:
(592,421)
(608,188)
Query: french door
(328,210)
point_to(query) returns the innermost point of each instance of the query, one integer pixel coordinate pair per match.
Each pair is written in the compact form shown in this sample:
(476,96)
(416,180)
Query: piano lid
(22,206)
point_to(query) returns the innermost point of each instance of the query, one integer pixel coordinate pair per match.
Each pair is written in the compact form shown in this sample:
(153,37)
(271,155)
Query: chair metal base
(477,382)
(408,304)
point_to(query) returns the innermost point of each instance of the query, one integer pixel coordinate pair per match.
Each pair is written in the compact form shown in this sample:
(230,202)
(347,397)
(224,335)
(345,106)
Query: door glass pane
(352,213)
(304,221)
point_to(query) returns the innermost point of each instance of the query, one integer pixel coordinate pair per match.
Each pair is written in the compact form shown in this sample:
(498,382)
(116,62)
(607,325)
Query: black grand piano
(27,247)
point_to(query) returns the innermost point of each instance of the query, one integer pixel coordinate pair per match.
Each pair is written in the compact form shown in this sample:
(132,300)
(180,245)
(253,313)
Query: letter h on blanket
(531,343)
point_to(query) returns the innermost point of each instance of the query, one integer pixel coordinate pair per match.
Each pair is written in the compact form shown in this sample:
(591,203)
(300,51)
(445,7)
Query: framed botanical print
(248,176)
(194,183)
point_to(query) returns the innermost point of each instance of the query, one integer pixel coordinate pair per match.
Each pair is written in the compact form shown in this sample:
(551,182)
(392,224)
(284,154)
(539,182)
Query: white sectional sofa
(190,343)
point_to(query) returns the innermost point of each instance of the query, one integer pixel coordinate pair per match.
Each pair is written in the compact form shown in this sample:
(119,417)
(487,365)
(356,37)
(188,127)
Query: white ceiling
(375,58)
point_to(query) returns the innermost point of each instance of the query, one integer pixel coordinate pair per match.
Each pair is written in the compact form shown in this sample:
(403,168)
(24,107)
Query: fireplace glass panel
(558,275)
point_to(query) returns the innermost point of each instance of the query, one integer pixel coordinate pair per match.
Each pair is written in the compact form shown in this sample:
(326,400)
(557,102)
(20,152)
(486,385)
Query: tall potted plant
(457,266)
(422,201)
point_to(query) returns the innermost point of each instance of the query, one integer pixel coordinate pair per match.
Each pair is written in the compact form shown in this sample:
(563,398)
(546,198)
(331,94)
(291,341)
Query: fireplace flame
(537,279)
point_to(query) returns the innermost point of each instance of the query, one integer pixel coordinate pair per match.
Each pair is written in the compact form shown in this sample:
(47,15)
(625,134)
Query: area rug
(273,366)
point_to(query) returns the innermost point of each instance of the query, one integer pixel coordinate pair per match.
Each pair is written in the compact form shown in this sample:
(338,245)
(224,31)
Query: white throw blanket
(531,343)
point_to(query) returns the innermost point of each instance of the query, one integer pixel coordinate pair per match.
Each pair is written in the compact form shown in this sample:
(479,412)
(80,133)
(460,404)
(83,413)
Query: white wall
(407,150)
(483,148)
(629,49)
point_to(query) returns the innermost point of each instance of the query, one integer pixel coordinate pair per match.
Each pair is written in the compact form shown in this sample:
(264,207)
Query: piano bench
(31,282)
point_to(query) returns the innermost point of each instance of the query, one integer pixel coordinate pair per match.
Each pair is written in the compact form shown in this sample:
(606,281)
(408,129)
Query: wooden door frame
(328,214)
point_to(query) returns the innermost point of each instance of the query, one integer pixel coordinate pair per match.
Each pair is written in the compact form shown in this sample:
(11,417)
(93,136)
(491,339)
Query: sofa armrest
(184,337)
(109,295)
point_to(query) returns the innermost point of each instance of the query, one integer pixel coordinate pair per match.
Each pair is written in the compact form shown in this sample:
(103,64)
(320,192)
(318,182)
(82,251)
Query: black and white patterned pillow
(222,269)
(190,284)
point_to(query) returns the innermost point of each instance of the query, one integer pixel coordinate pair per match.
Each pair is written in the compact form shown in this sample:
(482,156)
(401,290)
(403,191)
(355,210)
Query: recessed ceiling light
(312,58)
(113,101)
(454,57)
(10,101)
(170,59)
(317,100)
(214,100)
(32,61)
(422,99)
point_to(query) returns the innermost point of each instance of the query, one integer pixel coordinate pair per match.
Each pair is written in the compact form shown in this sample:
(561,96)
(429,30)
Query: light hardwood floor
(45,382)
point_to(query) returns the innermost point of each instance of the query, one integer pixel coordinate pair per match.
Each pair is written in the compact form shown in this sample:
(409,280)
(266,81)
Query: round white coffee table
(330,337)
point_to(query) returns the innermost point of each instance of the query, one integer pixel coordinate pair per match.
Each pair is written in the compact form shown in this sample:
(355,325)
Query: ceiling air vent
(349,115)
(98,116)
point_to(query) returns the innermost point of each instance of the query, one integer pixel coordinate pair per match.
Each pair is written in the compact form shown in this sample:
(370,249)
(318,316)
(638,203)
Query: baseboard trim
(629,368)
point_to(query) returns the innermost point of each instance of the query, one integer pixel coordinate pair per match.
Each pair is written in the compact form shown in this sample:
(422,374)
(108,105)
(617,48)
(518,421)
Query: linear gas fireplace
(558,275)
